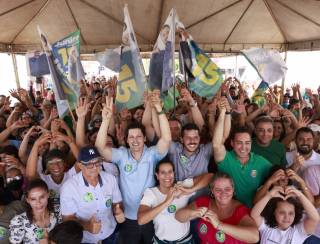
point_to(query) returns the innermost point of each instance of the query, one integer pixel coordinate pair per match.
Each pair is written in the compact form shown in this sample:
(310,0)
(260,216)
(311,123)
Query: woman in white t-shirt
(160,204)
(279,216)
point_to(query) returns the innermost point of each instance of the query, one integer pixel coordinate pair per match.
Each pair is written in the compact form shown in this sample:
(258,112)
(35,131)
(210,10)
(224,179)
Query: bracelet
(218,225)
(161,112)
(227,113)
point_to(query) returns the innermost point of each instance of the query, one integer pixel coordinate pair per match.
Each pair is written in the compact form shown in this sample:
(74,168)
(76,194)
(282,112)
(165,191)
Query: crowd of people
(219,170)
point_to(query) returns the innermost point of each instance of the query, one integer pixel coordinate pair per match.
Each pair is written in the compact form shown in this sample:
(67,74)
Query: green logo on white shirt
(3,232)
(39,233)
(108,203)
(220,236)
(128,168)
(88,197)
(172,208)
(203,229)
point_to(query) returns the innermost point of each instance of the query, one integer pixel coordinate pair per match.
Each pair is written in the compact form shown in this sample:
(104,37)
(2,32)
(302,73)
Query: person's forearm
(261,192)
(253,115)
(147,122)
(248,234)
(259,206)
(184,215)
(23,149)
(217,139)
(201,181)
(227,126)
(164,128)
(155,122)
(317,201)
(148,215)
(81,139)
(309,208)
(6,133)
(74,149)
(11,119)
(102,134)
(197,116)
(31,168)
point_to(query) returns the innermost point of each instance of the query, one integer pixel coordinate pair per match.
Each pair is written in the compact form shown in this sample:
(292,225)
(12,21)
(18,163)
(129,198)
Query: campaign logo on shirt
(253,173)
(3,232)
(183,160)
(128,168)
(109,203)
(39,233)
(172,208)
(203,229)
(220,236)
(88,197)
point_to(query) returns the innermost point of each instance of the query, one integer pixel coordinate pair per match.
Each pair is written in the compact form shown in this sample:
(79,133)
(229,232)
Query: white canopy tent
(217,25)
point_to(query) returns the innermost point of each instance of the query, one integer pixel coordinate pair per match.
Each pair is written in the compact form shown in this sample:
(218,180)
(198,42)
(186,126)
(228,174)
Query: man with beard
(304,156)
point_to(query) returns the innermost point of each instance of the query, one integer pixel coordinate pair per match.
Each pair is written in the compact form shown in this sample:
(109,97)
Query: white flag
(268,63)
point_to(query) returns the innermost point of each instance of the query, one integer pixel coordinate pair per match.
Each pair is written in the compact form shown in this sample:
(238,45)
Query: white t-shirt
(165,224)
(292,235)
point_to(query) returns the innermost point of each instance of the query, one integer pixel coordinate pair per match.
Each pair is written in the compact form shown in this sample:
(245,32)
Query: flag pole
(72,116)
(173,59)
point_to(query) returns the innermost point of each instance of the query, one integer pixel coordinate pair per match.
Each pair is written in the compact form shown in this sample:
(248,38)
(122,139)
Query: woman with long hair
(33,225)
(159,204)
(279,216)
(221,218)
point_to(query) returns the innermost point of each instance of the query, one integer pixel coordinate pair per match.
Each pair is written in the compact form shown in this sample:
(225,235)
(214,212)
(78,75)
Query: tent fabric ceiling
(216,25)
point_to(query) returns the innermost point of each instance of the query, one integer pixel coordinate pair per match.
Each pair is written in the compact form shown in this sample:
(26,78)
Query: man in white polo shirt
(93,199)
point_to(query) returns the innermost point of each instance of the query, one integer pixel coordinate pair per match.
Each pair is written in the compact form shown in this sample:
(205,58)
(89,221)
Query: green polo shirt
(247,177)
(275,153)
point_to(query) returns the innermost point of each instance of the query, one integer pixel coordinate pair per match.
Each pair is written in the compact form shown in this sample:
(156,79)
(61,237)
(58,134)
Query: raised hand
(276,176)
(277,191)
(107,110)
(14,93)
(82,108)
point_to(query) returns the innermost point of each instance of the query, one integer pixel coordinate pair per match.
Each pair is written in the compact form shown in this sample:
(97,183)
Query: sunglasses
(11,179)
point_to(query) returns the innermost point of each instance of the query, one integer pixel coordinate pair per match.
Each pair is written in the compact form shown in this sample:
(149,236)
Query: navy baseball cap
(87,154)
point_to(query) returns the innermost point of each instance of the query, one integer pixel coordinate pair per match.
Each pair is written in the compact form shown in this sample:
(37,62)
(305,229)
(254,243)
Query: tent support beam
(235,26)
(75,20)
(44,5)
(213,14)
(298,13)
(275,20)
(17,7)
(111,17)
(159,20)
(15,68)
(283,79)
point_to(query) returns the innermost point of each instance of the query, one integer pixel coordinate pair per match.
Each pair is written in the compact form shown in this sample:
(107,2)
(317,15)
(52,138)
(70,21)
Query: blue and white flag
(161,74)
(267,62)
(110,59)
(132,81)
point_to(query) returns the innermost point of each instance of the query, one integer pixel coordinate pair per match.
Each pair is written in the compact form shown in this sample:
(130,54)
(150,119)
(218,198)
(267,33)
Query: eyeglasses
(89,165)
(9,180)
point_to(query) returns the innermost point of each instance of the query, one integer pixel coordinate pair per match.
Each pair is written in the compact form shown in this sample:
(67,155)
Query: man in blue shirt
(136,165)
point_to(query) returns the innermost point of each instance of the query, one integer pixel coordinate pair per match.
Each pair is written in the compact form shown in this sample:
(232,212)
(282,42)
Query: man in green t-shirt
(265,145)
(247,169)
